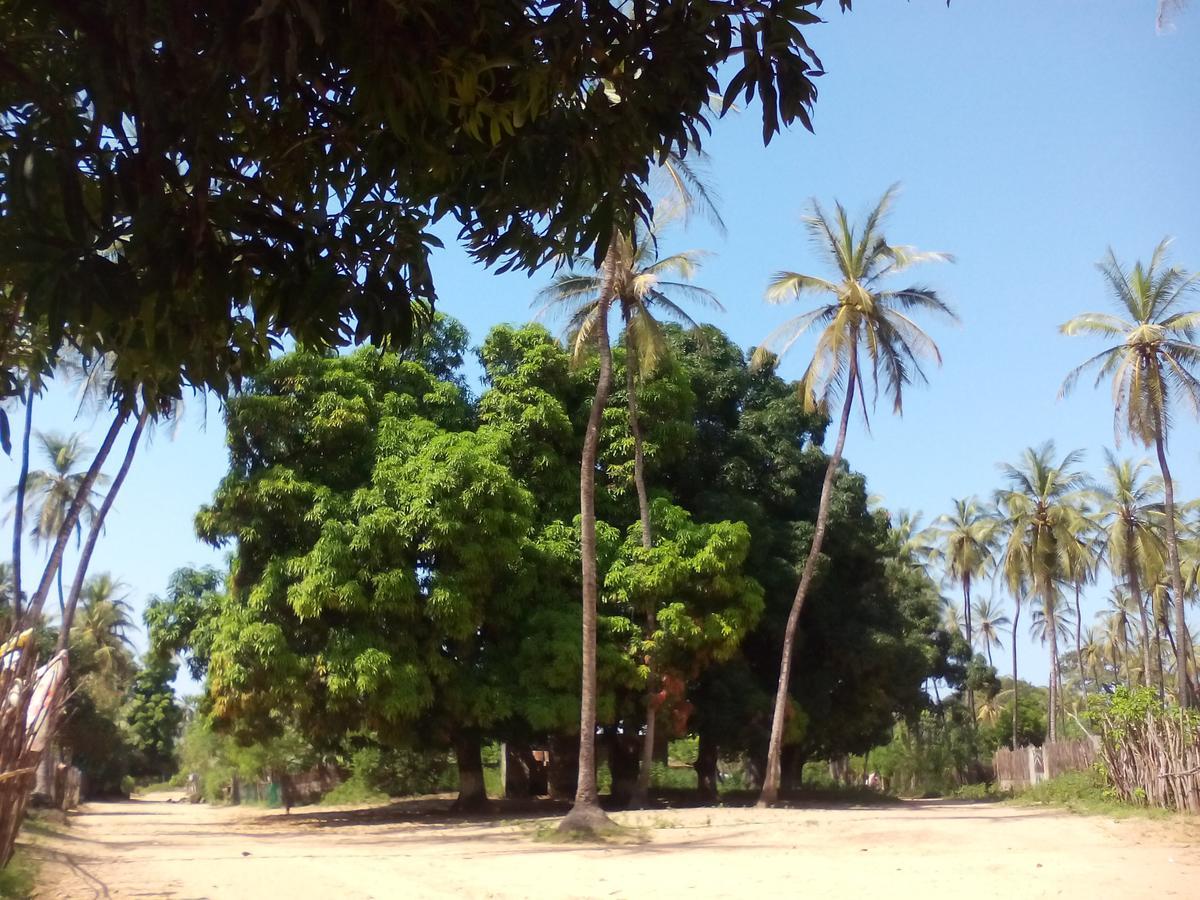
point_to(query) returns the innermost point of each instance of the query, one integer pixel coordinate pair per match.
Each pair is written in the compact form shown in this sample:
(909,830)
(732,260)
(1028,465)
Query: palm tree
(968,538)
(951,616)
(1154,360)
(102,631)
(865,333)
(1050,622)
(49,493)
(97,526)
(1081,556)
(1118,623)
(1129,503)
(990,619)
(914,545)
(645,288)
(1039,513)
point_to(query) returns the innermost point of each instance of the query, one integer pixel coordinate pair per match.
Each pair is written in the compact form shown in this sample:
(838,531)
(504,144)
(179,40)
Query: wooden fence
(1155,761)
(1026,766)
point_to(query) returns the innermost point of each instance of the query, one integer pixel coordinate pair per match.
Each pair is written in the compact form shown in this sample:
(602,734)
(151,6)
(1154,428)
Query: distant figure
(873,781)
(288,789)
(193,788)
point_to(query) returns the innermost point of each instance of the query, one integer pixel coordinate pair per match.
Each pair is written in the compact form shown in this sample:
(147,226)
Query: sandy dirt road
(927,849)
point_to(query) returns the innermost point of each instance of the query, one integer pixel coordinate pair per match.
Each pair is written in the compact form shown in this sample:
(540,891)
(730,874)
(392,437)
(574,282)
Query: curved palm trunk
(771,778)
(97,526)
(585,814)
(38,601)
(641,790)
(19,512)
(1135,588)
(1182,685)
(1016,684)
(1052,629)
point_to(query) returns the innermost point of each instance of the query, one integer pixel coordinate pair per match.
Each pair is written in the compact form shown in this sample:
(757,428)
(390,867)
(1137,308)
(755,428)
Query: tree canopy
(182,186)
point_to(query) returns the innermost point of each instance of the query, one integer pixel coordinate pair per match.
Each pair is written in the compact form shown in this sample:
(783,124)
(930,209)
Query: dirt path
(926,849)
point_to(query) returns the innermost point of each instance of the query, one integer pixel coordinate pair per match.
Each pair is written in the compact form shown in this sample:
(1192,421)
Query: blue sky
(1028,135)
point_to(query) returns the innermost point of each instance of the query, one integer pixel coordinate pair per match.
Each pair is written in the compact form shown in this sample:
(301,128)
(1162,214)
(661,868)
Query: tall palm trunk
(585,814)
(771,778)
(1016,684)
(1135,588)
(97,526)
(1159,673)
(1052,632)
(34,610)
(1079,641)
(1182,685)
(966,586)
(19,512)
(641,791)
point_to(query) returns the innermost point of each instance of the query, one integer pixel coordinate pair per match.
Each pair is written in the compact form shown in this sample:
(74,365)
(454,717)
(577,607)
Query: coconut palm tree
(1118,622)
(1082,555)
(1049,624)
(915,546)
(1155,358)
(1039,512)
(968,542)
(49,493)
(1130,502)
(865,334)
(989,620)
(647,288)
(102,631)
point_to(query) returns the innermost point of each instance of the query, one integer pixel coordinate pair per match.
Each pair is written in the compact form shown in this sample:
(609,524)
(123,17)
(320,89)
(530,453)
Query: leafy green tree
(862,322)
(183,620)
(176,196)
(153,718)
(375,535)
(1155,359)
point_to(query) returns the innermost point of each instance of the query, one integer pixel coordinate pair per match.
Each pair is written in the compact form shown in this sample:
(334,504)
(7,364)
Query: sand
(929,849)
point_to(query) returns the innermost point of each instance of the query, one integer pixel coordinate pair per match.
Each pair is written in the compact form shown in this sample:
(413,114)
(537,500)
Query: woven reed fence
(1025,766)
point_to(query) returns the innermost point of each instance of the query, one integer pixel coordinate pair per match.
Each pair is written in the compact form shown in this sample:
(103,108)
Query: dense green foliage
(181,186)
(405,568)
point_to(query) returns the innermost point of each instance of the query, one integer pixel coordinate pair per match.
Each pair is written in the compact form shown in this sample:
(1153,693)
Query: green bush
(353,791)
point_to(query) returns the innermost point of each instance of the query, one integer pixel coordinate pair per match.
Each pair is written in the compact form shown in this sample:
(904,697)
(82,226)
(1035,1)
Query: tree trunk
(706,768)
(770,789)
(1158,650)
(1016,716)
(520,772)
(1052,638)
(472,795)
(1182,685)
(38,601)
(1135,588)
(966,586)
(19,512)
(641,790)
(563,771)
(97,526)
(586,815)
(623,767)
(1079,642)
